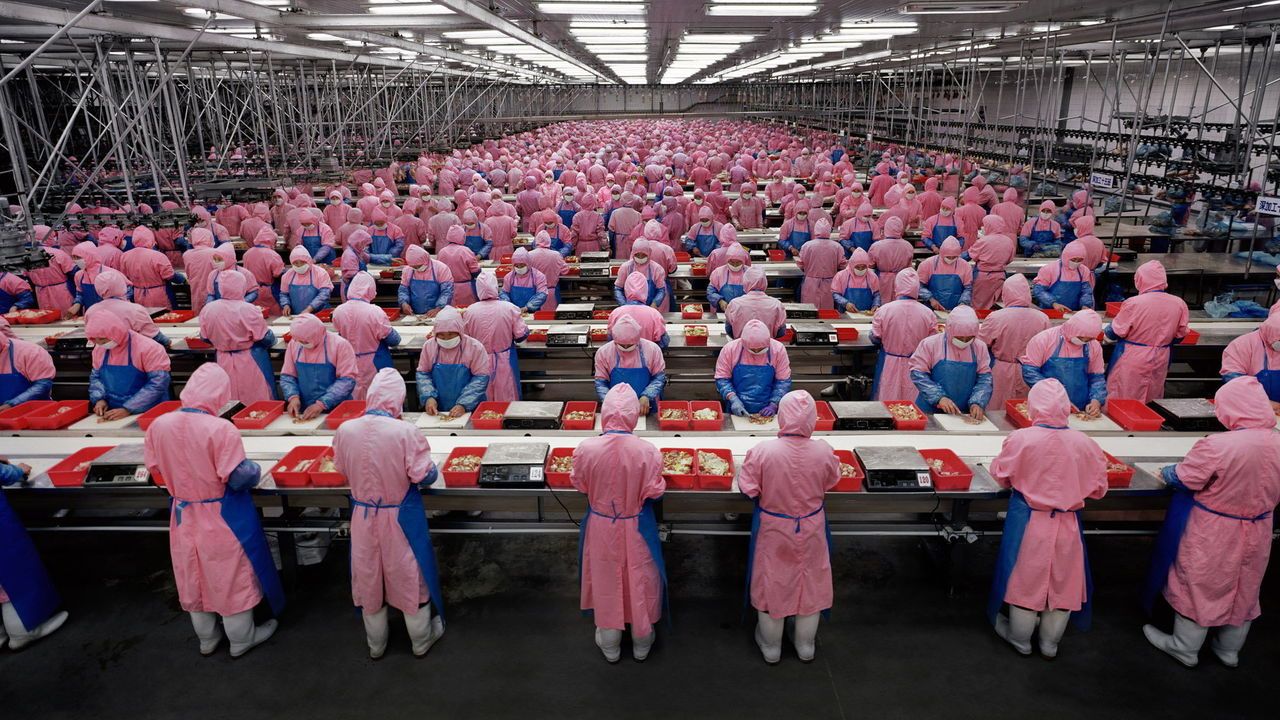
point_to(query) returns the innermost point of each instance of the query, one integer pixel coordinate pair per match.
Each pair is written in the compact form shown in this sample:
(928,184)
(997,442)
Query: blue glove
(737,408)
(769,410)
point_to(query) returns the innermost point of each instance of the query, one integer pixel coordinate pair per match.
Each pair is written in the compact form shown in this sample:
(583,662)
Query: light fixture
(960,7)
(206,14)
(624,57)
(1221,28)
(715,38)
(416,9)
(592,8)
(323,37)
(492,42)
(620,47)
(464,34)
(771,10)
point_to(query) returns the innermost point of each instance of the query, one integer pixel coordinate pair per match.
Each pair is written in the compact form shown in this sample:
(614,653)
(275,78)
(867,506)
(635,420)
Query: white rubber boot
(207,632)
(610,643)
(806,637)
(19,637)
(1017,628)
(640,646)
(1185,642)
(242,633)
(376,632)
(1053,623)
(424,629)
(1227,643)
(769,636)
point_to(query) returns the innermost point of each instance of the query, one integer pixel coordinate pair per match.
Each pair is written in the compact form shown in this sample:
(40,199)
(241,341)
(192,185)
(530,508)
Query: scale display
(895,469)
(514,465)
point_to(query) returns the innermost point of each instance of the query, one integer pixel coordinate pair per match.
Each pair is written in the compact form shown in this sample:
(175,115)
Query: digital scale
(592,271)
(862,415)
(813,334)
(758,256)
(529,415)
(121,466)
(575,311)
(1187,414)
(71,341)
(514,465)
(594,257)
(568,336)
(801,311)
(894,469)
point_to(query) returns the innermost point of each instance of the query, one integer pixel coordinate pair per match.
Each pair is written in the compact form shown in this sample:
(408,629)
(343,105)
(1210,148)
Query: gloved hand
(769,410)
(737,408)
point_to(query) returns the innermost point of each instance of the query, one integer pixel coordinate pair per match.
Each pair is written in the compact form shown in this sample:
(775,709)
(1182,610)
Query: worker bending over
(952,370)
(1071,354)
(631,359)
(753,372)
(130,371)
(453,368)
(26,370)
(319,369)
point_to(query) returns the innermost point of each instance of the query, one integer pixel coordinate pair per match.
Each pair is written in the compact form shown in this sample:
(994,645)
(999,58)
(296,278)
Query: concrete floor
(517,647)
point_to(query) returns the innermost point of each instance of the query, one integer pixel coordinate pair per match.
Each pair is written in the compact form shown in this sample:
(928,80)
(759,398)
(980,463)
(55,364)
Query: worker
(240,335)
(1011,211)
(1095,250)
(319,369)
(1042,572)
(197,263)
(561,238)
(224,259)
(1006,333)
(315,236)
(588,228)
(1041,236)
(85,255)
(755,305)
(653,327)
(889,256)
(26,371)
(552,266)
(897,329)
(704,236)
(52,282)
(747,212)
(110,239)
(632,359)
(653,273)
(15,293)
(1257,354)
(387,240)
(264,263)
(860,231)
(796,230)
(945,281)
(354,259)
(148,270)
(1212,552)
(623,576)
(1146,328)
(1065,285)
(453,368)
(304,288)
(28,600)
(524,287)
(355,221)
(789,560)
(931,200)
(426,284)
(475,235)
(1077,207)
(130,371)
(463,266)
(497,325)
(991,254)
(952,370)
(113,288)
(726,283)
(727,239)
(568,207)
(969,216)
(368,329)
(753,372)
(820,259)
(386,462)
(222,563)
(1070,353)
(662,254)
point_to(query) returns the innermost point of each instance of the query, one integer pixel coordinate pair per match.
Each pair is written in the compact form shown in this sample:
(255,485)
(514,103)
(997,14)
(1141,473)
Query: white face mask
(522,270)
(386,203)
(568,198)
(334,201)
(626,348)
(1276,346)
(1046,215)
(1073,264)
(960,344)
(306,346)
(735,267)
(300,267)
(747,196)
(855,194)
(448,344)
(279,201)
(949,260)
(641,260)
(760,351)
(706,223)
(945,213)
(616,198)
(859,271)
(81,264)
(982,233)
(1078,341)
(108,344)
(802,216)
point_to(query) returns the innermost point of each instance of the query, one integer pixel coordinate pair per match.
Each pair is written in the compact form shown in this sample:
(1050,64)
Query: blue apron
(729,290)
(647,525)
(1269,378)
(450,379)
(1170,539)
(22,574)
(423,294)
(755,531)
(1073,373)
(946,288)
(880,356)
(1042,238)
(1015,526)
(1067,292)
(940,233)
(797,239)
(957,378)
(314,379)
(381,244)
(88,293)
(566,216)
(311,243)
(637,377)
(301,296)
(412,517)
(262,358)
(14,383)
(648,278)
(1122,343)
(520,295)
(556,243)
(381,356)
(862,238)
(754,383)
(474,243)
(706,244)
(861,297)
(122,381)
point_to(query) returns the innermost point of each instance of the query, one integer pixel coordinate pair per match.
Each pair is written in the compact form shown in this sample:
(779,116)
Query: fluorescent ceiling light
(492,42)
(592,8)
(716,38)
(323,37)
(252,36)
(625,24)
(353,43)
(418,9)
(737,10)
(606,34)
(463,34)
(960,7)
(205,14)
(1221,28)
(625,57)
(622,48)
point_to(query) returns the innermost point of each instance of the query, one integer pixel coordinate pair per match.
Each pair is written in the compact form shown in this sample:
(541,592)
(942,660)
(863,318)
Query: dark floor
(517,647)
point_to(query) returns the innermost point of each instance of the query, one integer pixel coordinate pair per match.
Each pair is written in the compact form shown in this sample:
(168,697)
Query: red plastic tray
(600,314)
(66,474)
(325,315)
(578,406)
(502,271)
(682,482)
(846,334)
(613,270)
(275,408)
(505,258)
(853,483)
(479,424)
(15,418)
(826,418)
(598,335)
(1192,338)
(41,317)
(1052,313)
(698,269)
(164,408)
(787,335)
(829,314)
(461,478)
(955,476)
(694,340)
(537,336)
(387,274)
(48,417)
(683,256)
(346,410)
(1133,415)
(776,255)
(715,482)
(325,479)
(907,424)
(688,312)
(706,425)
(544,315)
(558,479)
(286,473)
(1118,478)
(982,313)
(1113,309)
(173,317)
(675,425)
(1016,417)
(195,343)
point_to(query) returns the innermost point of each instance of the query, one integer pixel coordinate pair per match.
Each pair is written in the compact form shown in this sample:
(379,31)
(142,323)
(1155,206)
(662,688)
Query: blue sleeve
(780,388)
(1086,295)
(565,249)
(664,341)
(688,244)
(251,296)
(982,390)
(929,242)
(660,296)
(535,302)
(10,474)
(875,340)
(78,299)
(38,389)
(1228,377)
(163,339)
(426,387)
(289,387)
(178,279)
(966,297)
(151,394)
(26,300)
(1098,387)
(485,250)
(725,387)
(875,299)
(713,296)
(246,475)
(267,341)
(1028,247)
(503,296)
(324,255)
(430,479)
(619,296)
(402,295)
(397,248)
(392,339)
(284,302)
(1042,295)
(653,390)
(473,393)
(1109,333)
(925,296)
(1169,473)
(848,245)
(321,299)
(209,298)
(602,388)
(841,301)
(1031,374)
(446,294)
(340,391)
(182,243)
(784,242)
(931,390)
(380,259)
(97,391)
